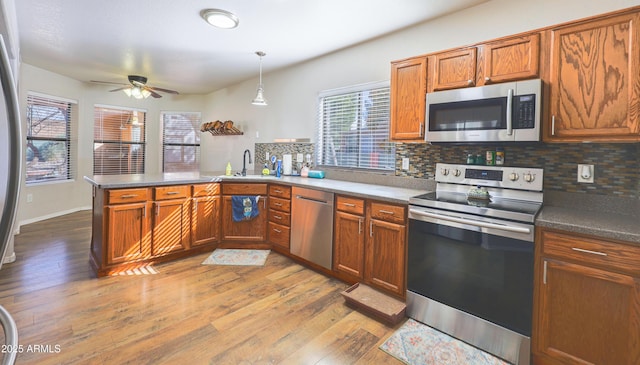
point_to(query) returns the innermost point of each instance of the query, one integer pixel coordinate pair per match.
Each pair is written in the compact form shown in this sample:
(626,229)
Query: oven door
(481,266)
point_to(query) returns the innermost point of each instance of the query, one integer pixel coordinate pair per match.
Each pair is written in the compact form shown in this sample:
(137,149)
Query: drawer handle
(589,251)
(386,212)
(277,230)
(349,205)
(127,196)
(172,192)
(277,217)
(279,191)
(277,204)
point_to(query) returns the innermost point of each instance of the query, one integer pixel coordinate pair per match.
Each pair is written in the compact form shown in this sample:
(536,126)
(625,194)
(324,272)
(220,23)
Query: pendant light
(259,99)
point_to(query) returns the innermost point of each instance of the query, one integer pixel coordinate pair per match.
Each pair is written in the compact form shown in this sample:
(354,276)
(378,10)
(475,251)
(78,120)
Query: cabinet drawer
(388,212)
(350,205)
(244,189)
(278,234)
(119,196)
(205,189)
(280,217)
(612,255)
(171,192)
(280,204)
(280,191)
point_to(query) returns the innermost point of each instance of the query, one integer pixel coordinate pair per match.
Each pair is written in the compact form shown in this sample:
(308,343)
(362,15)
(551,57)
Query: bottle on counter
(499,156)
(490,158)
(228,170)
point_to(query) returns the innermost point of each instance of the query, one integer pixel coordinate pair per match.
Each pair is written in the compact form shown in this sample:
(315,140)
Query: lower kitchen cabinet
(205,218)
(588,301)
(128,234)
(171,221)
(280,216)
(370,243)
(250,231)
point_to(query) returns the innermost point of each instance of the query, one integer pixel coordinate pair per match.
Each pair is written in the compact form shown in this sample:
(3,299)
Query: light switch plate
(405,163)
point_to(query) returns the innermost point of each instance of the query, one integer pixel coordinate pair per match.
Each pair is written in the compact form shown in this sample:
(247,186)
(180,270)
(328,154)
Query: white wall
(56,198)
(292,92)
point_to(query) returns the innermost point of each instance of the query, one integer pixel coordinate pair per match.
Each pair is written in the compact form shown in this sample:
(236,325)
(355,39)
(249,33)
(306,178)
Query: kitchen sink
(248,177)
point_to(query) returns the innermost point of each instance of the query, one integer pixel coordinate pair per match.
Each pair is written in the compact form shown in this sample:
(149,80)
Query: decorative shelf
(233,131)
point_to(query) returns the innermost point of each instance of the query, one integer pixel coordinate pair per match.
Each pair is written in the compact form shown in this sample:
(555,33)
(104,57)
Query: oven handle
(471,222)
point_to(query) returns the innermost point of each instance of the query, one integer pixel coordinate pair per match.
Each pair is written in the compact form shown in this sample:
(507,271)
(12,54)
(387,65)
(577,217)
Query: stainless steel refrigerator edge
(312,226)
(10,169)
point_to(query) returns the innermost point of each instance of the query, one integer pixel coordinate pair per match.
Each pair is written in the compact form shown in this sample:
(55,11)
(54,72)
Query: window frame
(40,99)
(389,157)
(197,146)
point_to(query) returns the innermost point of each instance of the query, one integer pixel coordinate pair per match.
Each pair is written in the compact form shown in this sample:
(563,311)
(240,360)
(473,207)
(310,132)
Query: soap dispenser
(228,170)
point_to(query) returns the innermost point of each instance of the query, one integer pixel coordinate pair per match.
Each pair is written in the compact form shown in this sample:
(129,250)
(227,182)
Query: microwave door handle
(509,112)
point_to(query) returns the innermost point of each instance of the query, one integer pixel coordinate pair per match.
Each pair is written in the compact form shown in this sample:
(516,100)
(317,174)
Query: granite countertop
(601,216)
(391,194)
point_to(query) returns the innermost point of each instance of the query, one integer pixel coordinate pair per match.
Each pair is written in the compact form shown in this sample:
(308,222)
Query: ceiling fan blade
(107,82)
(153,93)
(121,88)
(163,90)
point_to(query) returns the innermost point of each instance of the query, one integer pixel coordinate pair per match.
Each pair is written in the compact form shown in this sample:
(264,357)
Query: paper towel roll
(286,164)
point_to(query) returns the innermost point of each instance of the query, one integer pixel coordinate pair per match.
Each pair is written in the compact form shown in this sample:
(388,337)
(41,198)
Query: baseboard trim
(52,215)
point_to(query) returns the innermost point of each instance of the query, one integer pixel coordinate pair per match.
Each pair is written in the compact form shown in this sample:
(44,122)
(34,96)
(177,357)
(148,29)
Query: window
(354,128)
(180,141)
(48,154)
(118,141)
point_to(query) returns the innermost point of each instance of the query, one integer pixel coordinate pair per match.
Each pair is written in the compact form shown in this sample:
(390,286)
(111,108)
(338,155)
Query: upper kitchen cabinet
(408,91)
(507,59)
(594,83)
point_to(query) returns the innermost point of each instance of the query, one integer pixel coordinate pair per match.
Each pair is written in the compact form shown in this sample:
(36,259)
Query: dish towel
(244,208)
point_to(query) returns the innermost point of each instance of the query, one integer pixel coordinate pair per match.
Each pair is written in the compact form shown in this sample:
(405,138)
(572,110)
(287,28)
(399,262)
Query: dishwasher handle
(314,200)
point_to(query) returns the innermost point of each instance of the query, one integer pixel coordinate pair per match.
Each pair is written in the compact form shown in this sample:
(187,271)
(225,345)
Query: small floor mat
(239,257)
(417,344)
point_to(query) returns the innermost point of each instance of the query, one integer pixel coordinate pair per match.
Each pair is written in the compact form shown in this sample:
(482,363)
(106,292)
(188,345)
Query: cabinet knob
(487,79)
(469,82)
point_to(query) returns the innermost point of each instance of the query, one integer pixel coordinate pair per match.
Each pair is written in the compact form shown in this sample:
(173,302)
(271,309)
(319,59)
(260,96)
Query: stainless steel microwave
(494,113)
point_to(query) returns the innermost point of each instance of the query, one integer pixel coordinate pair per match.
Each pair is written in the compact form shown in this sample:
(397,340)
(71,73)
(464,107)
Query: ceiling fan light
(220,18)
(145,93)
(127,91)
(136,93)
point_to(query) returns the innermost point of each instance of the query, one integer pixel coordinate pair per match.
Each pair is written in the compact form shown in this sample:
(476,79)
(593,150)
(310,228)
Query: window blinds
(118,141)
(180,141)
(48,153)
(354,128)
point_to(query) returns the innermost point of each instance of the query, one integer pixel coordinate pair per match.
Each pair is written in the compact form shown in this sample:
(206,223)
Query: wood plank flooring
(188,313)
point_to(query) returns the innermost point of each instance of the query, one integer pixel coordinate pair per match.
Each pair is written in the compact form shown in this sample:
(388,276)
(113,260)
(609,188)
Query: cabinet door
(171,226)
(455,69)
(348,255)
(128,235)
(205,220)
(594,81)
(254,230)
(385,256)
(509,60)
(587,316)
(407,99)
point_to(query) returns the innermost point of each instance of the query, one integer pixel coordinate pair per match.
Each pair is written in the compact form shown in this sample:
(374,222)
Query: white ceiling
(168,41)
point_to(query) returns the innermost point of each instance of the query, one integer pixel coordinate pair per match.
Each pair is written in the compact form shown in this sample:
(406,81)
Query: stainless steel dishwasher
(312,225)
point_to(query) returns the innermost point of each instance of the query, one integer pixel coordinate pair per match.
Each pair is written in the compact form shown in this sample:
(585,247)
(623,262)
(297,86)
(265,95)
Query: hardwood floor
(282,313)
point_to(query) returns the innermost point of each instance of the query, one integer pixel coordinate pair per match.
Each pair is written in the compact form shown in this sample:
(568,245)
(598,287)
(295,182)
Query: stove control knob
(444,172)
(529,177)
(513,176)
(456,172)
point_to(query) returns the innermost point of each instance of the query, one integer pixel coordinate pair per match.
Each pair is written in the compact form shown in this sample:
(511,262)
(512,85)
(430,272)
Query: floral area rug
(237,257)
(417,344)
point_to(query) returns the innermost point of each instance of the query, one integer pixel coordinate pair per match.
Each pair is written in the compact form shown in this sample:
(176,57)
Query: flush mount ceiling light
(220,18)
(259,99)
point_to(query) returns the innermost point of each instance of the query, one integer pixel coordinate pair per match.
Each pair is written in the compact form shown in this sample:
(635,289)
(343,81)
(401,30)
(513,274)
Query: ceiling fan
(138,88)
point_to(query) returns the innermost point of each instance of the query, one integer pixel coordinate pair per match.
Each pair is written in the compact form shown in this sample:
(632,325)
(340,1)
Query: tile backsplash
(616,165)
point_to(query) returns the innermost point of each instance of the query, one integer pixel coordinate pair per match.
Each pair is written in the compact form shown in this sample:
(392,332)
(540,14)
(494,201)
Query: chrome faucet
(244,167)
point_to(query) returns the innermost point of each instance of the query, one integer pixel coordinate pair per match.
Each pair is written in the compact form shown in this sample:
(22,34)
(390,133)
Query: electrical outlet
(29,198)
(405,163)
(585,173)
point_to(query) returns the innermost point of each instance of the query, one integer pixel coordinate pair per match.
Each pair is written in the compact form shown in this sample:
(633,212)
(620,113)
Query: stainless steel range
(470,262)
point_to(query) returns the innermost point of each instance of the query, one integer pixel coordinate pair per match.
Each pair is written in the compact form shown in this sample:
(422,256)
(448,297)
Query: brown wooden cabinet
(407,99)
(593,81)
(587,308)
(250,231)
(370,243)
(128,234)
(280,216)
(205,218)
(349,237)
(386,248)
(454,69)
(171,228)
